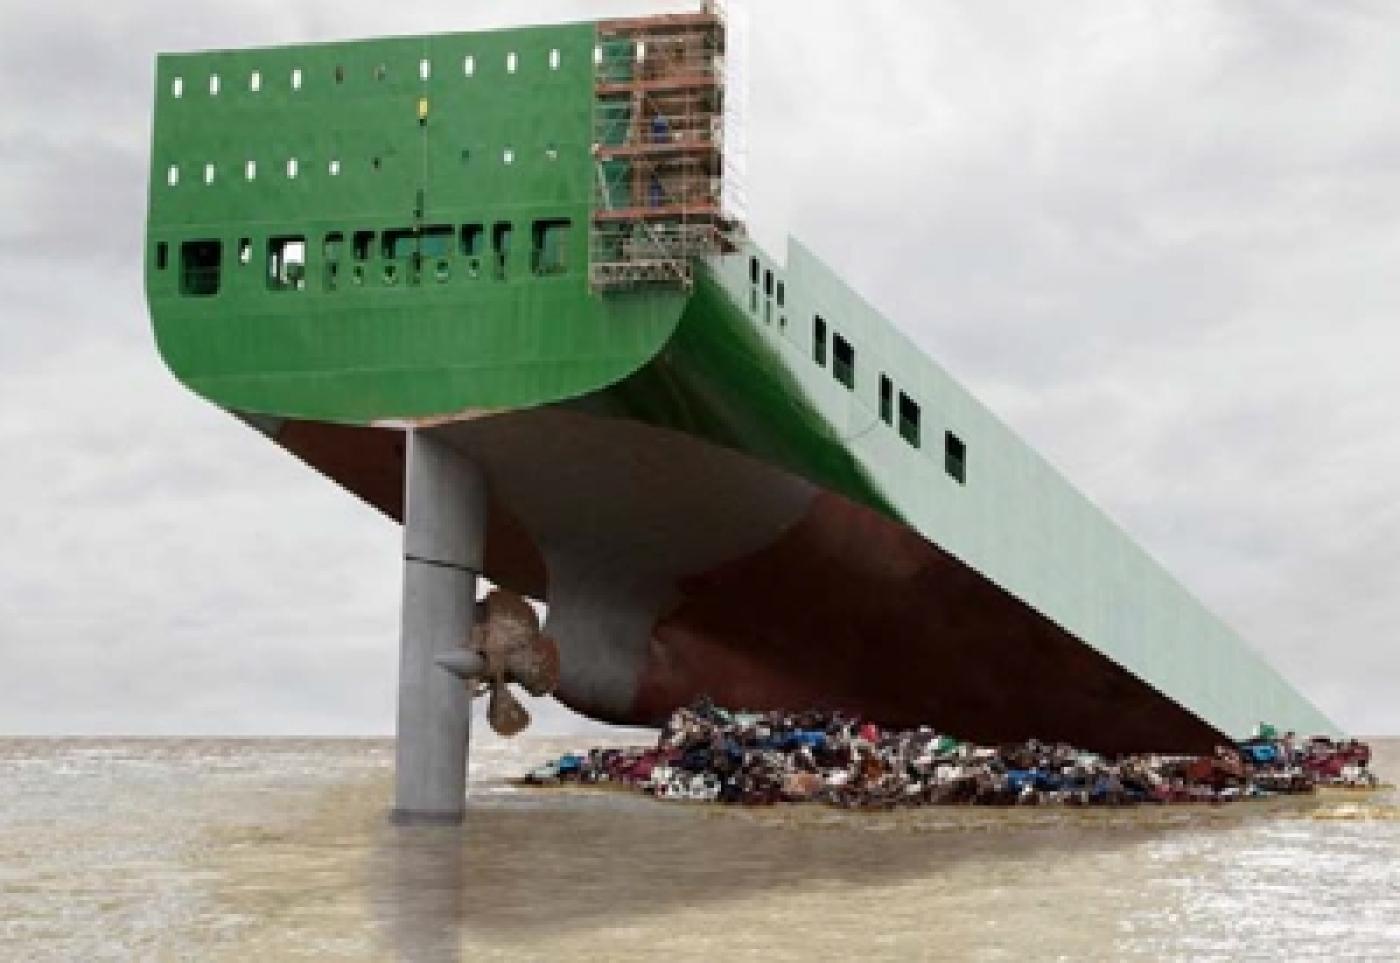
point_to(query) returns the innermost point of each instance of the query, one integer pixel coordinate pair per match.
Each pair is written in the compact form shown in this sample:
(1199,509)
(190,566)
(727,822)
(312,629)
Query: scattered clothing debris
(710,754)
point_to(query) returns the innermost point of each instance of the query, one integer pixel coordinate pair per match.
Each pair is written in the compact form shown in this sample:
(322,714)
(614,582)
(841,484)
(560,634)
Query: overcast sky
(1161,240)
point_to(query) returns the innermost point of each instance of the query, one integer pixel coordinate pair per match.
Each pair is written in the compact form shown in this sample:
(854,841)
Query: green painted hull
(780,363)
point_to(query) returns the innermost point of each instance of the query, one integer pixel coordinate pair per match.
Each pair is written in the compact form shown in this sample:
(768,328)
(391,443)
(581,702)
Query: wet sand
(281,850)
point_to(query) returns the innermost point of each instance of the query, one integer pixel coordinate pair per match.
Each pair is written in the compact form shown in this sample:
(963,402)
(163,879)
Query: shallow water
(280,850)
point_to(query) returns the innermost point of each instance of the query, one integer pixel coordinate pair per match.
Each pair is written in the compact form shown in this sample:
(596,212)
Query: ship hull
(676,568)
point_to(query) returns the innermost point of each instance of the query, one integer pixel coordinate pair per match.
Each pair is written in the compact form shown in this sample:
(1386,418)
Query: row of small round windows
(425,72)
(333,167)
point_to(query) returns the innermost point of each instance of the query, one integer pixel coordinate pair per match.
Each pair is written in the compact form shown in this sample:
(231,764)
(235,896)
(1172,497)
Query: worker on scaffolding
(660,129)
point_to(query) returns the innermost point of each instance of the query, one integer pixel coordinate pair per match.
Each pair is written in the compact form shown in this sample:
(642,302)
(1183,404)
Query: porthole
(469,65)
(213,85)
(296,79)
(177,87)
(250,170)
(172,176)
(255,81)
(293,168)
(512,61)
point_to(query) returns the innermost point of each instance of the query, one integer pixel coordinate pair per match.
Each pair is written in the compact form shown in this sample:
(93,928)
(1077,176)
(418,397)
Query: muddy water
(280,850)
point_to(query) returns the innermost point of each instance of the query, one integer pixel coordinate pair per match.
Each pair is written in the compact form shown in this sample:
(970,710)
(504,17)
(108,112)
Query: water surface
(280,849)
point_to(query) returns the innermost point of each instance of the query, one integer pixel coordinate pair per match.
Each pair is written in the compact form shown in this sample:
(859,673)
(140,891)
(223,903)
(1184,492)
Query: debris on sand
(710,754)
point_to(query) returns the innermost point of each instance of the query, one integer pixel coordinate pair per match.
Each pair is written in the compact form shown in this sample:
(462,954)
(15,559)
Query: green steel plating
(318,143)
(426,147)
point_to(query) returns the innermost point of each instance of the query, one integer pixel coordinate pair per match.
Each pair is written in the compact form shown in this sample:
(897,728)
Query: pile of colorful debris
(707,753)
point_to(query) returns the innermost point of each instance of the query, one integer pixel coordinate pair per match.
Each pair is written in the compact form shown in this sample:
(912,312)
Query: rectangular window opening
(843,361)
(753,270)
(162,256)
(245,251)
(550,245)
(886,400)
(363,245)
(437,241)
(399,244)
(331,249)
(473,246)
(200,263)
(955,457)
(500,248)
(819,341)
(909,419)
(286,263)
(768,283)
(782,300)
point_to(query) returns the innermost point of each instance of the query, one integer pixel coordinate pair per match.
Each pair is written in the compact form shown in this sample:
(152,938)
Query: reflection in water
(283,849)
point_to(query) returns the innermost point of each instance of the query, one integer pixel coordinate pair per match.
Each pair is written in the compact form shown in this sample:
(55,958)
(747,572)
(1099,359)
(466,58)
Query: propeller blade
(505,713)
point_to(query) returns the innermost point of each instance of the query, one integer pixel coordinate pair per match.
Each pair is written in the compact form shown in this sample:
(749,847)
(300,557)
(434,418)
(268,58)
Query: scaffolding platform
(658,149)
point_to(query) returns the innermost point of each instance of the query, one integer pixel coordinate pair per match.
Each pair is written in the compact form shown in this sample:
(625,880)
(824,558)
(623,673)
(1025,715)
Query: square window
(436,241)
(909,415)
(550,246)
(363,244)
(955,457)
(200,263)
(399,245)
(819,341)
(286,263)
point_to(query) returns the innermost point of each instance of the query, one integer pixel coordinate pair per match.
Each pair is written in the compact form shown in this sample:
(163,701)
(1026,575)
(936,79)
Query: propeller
(506,646)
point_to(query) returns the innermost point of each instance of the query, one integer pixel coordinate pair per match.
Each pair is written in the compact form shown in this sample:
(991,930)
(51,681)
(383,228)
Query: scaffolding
(658,150)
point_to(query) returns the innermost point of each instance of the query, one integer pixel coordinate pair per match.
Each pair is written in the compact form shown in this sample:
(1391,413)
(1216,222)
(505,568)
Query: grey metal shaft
(444,536)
